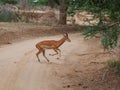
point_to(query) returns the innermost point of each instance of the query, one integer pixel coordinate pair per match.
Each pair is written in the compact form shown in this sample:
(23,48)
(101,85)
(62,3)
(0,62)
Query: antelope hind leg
(38,56)
(45,56)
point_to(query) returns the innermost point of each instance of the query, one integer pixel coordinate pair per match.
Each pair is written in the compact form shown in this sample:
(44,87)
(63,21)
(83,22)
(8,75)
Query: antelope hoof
(48,61)
(38,60)
(51,54)
(58,58)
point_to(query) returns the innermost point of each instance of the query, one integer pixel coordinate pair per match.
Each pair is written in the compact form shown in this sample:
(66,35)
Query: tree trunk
(63,14)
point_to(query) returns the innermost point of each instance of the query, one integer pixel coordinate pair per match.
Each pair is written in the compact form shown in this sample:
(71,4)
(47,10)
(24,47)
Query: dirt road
(20,70)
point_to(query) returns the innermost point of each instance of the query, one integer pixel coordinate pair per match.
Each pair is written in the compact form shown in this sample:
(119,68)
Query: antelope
(51,44)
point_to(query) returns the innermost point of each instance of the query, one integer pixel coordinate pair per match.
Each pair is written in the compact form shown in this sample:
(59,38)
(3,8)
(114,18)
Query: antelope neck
(60,42)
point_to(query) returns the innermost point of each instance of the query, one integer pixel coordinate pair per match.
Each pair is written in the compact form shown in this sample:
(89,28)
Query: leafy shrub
(39,2)
(7,15)
(9,1)
(109,37)
(114,64)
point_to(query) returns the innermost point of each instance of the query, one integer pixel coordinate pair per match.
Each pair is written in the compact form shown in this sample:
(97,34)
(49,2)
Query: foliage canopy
(101,8)
(9,1)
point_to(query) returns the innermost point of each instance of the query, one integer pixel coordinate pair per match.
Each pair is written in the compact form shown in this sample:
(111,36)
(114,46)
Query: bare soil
(11,32)
(81,66)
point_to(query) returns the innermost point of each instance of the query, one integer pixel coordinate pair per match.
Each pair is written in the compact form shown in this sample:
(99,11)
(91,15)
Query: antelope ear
(65,34)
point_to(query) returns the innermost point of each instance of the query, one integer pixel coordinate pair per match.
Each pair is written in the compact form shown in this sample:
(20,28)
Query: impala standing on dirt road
(51,44)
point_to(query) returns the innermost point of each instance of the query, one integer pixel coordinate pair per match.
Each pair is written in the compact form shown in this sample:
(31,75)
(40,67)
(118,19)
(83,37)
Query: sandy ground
(76,69)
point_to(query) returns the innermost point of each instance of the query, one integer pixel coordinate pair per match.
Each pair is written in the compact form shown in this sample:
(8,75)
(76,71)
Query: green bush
(9,1)
(39,2)
(114,64)
(109,37)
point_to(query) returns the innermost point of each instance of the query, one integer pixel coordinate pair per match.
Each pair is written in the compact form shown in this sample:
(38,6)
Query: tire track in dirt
(15,74)
(29,74)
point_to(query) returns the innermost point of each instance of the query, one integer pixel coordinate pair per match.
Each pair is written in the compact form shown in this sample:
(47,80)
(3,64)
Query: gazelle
(51,44)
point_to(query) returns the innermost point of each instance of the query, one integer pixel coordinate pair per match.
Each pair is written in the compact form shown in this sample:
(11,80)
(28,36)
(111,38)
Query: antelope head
(66,37)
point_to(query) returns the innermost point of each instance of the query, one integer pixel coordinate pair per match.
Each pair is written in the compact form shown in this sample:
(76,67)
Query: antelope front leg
(59,52)
(56,50)
(55,53)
